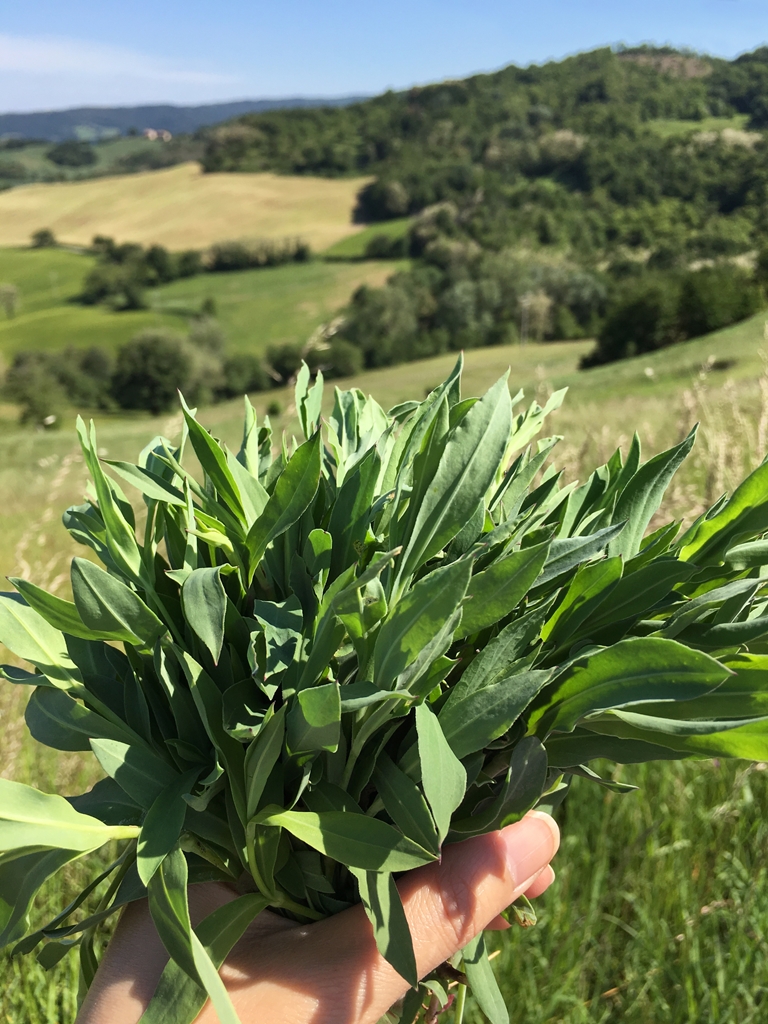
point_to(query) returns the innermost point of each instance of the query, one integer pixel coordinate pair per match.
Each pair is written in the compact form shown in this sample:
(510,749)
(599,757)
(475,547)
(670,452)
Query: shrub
(715,297)
(382,247)
(643,318)
(244,373)
(43,239)
(32,385)
(9,299)
(151,369)
(72,154)
(285,360)
(247,255)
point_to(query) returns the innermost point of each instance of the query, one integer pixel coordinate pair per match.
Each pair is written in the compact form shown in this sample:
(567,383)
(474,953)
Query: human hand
(331,972)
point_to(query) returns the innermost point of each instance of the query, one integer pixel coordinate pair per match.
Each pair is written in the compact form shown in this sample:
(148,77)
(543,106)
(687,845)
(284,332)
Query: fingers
(447,904)
(542,883)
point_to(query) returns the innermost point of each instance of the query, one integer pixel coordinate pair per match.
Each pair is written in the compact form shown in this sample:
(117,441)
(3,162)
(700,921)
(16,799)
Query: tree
(43,239)
(150,369)
(72,154)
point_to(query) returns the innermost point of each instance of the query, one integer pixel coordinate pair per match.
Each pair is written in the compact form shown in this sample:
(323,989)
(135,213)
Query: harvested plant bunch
(305,673)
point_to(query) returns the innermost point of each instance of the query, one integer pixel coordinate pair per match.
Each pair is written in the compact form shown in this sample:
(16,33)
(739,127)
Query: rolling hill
(181,208)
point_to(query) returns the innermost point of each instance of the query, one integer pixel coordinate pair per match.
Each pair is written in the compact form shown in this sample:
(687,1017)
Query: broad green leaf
(162,825)
(296,487)
(515,796)
(60,614)
(746,739)
(590,587)
(743,517)
(205,607)
(57,720)
(352,839)
(314,720)
(416,619)
(119,537)
(747,556)
(566,750)
(493,594)
(262,756)
(481,707)
(566,553)
(642,496)
(482,982)
(22,873)
(109,803)
(384,909)
(640,592)
(633,671)
(405,804)
(214,463)
(150,484)
(139,772)
(169,908)
(309,400)
(110,608)
(177,997)
(30,637)
(465,471)
(352,511)
(29,818)
(442,774)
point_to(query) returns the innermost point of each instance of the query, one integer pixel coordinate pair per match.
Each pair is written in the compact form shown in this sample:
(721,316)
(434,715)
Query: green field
(256,308)
(353,247)
(660,908)
(108,153)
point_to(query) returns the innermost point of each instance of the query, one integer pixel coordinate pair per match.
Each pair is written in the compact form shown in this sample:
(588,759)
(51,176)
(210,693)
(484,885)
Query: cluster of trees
(124,271)
(567,156)
(653,309)
(146,373)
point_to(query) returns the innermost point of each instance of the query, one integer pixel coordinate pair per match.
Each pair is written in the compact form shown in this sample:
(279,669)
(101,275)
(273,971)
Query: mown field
(182,208)
(660,908)
(256,308)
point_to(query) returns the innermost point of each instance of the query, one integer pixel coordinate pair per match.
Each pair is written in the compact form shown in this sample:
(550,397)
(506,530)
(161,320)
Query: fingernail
(530,844)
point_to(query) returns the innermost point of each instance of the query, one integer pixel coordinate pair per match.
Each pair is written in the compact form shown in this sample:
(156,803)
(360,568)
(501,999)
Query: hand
(331,972)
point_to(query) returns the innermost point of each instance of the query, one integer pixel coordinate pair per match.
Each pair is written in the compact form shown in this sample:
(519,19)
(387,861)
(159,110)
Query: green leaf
(22,873)
(405,804)
(169,908)
(30,637)
(314,721)
(442,774)
(29,818)
(482,982)
(466,469)
(481,707)
(139,773)
(742,517)
(745,739)
(56,611)
(565,554)
(296,487)
(633,671)
(110,608)
(162,825)
(57,720)
(384,909)
(205,607)
(214,463)
(642,496)
(493,594)
(352,512)
(567,750)
(352,839)
(262,756)
(416,619)
(179,999)
(590,587)
(150,484)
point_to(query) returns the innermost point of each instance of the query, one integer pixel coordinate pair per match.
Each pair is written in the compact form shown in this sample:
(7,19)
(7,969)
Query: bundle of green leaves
(306,672)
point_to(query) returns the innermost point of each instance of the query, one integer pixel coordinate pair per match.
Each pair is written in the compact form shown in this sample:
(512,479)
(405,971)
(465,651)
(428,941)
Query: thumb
(447,904)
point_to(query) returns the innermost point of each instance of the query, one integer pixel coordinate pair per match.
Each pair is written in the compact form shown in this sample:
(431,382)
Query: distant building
(157,133)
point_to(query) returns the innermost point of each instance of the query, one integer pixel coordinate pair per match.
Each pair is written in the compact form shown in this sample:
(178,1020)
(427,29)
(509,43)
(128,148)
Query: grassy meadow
(660,908)
(108,153)
(154,206)
(256,308)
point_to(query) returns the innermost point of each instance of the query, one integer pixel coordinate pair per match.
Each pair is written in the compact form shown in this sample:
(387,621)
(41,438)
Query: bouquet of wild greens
(304,673)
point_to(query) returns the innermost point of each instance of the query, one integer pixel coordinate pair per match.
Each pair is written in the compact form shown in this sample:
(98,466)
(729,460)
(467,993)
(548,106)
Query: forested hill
(491,121)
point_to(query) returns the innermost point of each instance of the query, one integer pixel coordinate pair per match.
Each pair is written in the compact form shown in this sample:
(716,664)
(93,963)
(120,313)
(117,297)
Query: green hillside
(256,308)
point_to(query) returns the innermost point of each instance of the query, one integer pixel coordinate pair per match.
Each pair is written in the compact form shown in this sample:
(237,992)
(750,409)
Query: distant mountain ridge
(57,125)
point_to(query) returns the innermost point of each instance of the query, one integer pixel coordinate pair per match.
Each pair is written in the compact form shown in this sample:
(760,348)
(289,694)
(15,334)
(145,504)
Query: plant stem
(461,999)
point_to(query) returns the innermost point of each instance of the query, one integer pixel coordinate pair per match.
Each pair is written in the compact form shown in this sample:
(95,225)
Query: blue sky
(59,53)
